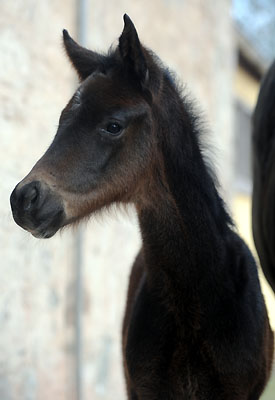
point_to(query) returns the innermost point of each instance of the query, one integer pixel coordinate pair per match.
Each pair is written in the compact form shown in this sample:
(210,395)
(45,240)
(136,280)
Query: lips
(49,227)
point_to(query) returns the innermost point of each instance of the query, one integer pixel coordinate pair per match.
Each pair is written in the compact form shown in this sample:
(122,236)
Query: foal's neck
(183,247)
(184,229)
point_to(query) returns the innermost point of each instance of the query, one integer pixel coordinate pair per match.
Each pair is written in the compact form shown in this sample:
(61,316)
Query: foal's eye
(114,128)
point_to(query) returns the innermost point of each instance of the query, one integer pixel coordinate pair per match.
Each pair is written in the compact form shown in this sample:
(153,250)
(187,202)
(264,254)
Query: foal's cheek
(96,162)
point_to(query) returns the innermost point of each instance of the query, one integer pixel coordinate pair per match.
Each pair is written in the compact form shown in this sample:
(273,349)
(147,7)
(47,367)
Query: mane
(189,137)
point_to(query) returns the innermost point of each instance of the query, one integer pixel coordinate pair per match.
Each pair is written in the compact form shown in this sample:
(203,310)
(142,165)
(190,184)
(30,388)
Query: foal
(195,325)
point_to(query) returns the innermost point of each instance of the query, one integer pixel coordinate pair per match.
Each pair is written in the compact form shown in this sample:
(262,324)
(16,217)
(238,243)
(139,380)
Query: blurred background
(62,300)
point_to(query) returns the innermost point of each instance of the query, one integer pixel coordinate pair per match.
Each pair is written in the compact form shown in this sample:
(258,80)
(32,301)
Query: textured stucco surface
(37,353)
(36,341)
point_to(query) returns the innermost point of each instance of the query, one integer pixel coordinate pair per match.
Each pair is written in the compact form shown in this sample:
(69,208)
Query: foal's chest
(159,365)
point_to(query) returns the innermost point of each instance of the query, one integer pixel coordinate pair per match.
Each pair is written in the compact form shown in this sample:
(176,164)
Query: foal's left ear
(84,61)
(132,53)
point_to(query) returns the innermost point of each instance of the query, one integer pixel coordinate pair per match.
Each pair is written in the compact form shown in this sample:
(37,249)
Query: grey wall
(37,281)
(36,341)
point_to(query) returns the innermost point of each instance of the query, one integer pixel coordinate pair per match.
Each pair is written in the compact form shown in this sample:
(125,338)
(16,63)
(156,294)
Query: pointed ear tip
(127,20)
(66,35)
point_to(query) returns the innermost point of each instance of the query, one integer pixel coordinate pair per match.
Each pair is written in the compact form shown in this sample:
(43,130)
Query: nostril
(30,198)
(25,199)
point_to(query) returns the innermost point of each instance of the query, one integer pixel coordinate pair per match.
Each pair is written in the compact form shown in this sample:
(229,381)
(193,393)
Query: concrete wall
(37,330)
(38,352)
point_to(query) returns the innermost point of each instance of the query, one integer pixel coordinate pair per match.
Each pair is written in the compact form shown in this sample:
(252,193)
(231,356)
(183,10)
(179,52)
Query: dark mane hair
(178,145)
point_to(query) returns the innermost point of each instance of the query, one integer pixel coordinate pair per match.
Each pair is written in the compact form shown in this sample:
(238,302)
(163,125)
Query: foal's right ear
(84,61)
(132,53)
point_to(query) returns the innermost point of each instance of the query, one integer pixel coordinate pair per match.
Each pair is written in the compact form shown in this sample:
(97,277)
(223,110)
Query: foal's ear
(131,51)
(84,61)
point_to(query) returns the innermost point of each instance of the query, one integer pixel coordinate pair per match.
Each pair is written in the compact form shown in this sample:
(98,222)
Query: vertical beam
(82,24)
(78,312)
(81,15)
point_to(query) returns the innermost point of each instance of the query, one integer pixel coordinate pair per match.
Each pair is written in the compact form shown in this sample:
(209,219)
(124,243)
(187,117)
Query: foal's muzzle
(36,208)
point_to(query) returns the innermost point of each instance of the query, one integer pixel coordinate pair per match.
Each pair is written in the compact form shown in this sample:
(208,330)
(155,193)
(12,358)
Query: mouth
(49,227)
(43,228)
(43,234)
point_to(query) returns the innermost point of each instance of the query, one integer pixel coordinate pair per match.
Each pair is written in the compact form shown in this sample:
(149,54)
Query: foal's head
(104,145)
